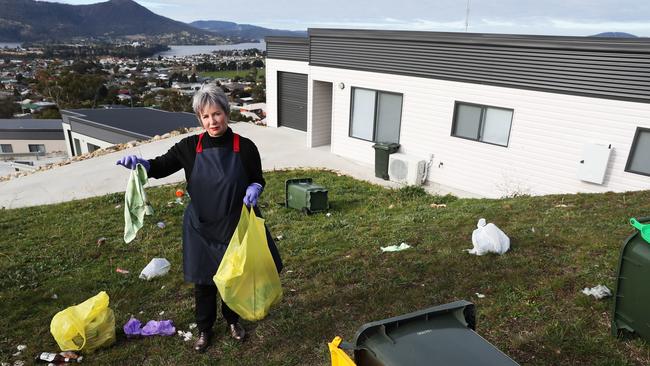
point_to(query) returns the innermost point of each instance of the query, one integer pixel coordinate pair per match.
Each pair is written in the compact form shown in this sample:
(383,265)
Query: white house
(494,115)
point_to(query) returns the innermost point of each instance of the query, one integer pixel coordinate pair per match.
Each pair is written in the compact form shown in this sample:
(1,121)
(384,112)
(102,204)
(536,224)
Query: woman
(222,169)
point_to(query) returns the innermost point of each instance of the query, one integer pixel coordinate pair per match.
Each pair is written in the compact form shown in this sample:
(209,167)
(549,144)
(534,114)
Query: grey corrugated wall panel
(596,67)
(292,100)
(32,135)
(105,134)
(287,48)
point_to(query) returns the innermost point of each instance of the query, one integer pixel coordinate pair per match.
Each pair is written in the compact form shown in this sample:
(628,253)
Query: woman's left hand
(252,194)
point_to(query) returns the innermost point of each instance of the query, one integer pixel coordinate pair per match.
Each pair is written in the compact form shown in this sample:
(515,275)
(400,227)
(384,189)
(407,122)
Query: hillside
(29,20)
(242,31)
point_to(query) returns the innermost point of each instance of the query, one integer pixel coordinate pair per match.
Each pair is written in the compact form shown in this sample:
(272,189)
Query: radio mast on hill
(467,17)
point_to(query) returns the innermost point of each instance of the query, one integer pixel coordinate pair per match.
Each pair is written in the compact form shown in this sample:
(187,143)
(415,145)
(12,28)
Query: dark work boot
(237,331)
(203,342)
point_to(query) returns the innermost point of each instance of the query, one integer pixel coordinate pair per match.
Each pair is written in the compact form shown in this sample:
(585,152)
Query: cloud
(605,26)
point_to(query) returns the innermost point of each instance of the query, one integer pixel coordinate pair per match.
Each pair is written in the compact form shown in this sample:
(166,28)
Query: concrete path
(280,148)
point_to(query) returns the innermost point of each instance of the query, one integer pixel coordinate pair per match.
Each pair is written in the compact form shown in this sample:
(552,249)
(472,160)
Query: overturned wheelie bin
(441,335)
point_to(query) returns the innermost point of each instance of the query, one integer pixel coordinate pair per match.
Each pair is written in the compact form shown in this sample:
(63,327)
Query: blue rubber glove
(131,161)
(252,194)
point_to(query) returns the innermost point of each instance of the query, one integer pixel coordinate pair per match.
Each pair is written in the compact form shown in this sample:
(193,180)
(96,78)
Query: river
(185,50)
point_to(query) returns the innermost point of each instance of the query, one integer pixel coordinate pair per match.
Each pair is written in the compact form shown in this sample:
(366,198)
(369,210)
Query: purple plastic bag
(133,328)
(163,327)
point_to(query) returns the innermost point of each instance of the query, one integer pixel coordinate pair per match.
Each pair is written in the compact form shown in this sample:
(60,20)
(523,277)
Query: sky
(548,17)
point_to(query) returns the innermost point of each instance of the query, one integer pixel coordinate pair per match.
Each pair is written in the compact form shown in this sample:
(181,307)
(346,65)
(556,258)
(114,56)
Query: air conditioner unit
(406,169)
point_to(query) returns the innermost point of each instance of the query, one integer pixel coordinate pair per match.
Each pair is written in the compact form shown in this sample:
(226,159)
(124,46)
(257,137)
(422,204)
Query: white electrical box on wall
(593,165)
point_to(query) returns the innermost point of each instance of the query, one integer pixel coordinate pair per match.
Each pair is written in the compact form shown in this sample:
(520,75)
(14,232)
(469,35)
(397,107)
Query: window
(77,147)
(638,161)
(375,115)
(6,148)
(37,148)
(92,147)
(482,123)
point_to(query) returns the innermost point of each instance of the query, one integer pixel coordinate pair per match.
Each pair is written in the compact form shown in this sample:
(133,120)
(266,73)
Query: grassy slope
(336,278)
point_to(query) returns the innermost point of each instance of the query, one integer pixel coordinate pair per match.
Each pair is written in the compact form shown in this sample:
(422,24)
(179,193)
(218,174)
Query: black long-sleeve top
(183,153)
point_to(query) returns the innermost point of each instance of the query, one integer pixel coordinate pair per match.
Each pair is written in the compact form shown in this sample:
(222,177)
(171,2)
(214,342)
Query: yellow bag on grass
(247,278)
(339,357)
(86,326)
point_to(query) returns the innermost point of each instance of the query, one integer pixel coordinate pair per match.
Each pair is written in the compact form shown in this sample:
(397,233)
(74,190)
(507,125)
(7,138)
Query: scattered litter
(162,312)
(290,271)
(192,326)
(328,214)
(561,205)
(118,207)
(132,328)
(101,241)
(480,296)
(488,238)
(292,290)
(120,270)
(19,363)
(187,336)
(279,237)
(21,347)
(141,312)
(55,296)
(17,354)
(179,201)
(532,229)
(391,207)
(179,193)
(161,225)
(60,358)
(157,267)
(395,248)
(599,292)
(436,205)
(162,287)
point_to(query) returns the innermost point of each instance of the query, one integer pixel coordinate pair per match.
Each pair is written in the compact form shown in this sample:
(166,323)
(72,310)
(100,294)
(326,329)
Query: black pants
(205,297)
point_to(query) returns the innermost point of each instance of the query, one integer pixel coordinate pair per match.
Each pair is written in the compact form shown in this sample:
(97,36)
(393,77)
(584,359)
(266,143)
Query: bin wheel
(306,211)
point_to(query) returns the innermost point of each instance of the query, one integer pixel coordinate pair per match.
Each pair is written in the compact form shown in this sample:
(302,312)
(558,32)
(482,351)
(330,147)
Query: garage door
(292,100)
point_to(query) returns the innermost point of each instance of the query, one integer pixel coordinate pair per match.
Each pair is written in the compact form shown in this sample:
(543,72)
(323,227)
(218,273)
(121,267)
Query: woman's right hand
(131,161)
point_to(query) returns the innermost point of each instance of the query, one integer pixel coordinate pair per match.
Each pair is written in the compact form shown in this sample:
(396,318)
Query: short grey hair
(210,94)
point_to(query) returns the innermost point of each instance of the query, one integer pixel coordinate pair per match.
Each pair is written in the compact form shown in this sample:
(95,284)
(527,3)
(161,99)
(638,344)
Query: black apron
(217,188)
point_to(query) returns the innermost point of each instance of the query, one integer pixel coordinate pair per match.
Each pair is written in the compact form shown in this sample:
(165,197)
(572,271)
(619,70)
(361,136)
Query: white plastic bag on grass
(489,239)
(157,267)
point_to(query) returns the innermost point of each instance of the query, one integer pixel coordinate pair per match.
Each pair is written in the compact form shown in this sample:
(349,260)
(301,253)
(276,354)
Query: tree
(258,63)
(7,107)
(193,78)
(49,113)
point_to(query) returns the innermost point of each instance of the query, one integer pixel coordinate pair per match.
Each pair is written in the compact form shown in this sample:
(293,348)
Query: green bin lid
(442,333)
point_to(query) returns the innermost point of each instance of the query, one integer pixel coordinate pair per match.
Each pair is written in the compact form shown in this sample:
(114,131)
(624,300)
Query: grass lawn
(336,278)
(230,73)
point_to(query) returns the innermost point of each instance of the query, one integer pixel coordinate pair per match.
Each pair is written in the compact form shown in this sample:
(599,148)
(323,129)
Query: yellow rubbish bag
(85,326)
(247,278)
(339,357)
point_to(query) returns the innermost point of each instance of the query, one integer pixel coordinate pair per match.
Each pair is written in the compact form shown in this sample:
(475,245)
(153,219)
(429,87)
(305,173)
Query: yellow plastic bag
(247,278)
(339,357)
(86,326)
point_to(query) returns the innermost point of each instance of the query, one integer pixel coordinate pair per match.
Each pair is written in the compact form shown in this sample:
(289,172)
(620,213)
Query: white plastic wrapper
(156,268)
(488,238)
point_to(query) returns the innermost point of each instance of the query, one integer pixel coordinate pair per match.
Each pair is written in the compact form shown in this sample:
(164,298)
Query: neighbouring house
(30,136)
(492,115)
(87,130)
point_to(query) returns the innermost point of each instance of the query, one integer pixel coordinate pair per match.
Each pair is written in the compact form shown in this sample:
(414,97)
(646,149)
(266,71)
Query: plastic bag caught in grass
(156,268)
(247,277)
(489,239)
(86,326)
(339,357)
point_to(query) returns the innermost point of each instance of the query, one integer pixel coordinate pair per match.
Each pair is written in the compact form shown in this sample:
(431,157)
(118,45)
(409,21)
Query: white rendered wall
(84,140)
(22,146)
(546,139)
